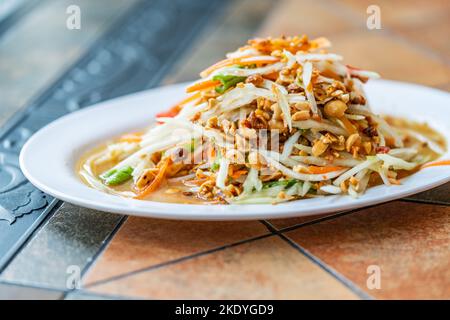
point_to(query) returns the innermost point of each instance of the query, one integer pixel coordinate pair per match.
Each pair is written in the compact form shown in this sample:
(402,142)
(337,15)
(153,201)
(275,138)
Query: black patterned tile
(134,55)
(62,248)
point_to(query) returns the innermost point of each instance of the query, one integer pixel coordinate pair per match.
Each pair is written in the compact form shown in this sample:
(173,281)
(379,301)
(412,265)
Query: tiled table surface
(323,256)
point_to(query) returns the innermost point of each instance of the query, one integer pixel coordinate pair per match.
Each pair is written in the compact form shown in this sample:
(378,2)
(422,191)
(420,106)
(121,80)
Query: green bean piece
(116,177)
(286,183)
(227,81)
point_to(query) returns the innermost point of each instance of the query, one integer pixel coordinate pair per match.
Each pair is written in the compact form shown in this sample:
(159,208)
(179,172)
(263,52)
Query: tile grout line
(335,274)
(339,277)
(424,201)
(51,208)
(178,260)
(100,250)
(104,245)
(268,226)
(317,220)
(329,217)
(272,231)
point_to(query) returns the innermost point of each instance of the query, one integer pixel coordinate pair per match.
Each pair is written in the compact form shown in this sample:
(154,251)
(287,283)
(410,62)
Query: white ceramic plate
(49,157)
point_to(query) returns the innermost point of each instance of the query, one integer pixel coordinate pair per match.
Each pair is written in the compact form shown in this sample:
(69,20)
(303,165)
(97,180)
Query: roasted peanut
(301,115)
(212,122)
(302,153)
(256,79)
(319,147)
(199,174)
(293,88)
(335,108)
(343,186)
(276,111)
(345,97)
(303,105)
(367,147)
(232,190)
(300,169)
(352,140)
(212,103)
(275,124)
(263,114)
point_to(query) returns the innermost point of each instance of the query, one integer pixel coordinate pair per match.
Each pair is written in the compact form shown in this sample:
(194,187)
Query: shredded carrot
(197,95)
(321,170)
(272,76)
(437,163)
(172,112)
(202,85)
(211,153)
(215,66)
(220,64)
(240,61)
(352,67)
(237,174)
(131,137)
(257,62)
(159,178)
(349,127)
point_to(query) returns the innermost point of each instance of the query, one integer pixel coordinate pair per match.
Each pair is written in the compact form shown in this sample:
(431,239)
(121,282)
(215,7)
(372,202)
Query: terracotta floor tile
(392,58)
(143,242)
(410,243)
(313,18)
(268,268)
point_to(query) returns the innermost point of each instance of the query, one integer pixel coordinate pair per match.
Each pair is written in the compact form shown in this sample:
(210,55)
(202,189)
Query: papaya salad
(278,119)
